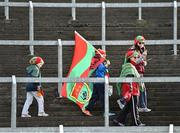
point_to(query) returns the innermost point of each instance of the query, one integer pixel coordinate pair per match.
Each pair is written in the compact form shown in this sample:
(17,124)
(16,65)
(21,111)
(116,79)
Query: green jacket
(33,71)
(127,69)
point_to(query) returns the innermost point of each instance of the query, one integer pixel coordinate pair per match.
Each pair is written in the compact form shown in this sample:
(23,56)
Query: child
(34,89)
(98,88)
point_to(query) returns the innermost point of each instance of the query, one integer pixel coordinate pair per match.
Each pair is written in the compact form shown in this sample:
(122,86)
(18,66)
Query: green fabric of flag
(80,93)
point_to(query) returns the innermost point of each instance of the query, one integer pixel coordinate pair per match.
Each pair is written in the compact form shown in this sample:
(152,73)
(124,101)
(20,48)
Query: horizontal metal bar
(126,5)
(5,79)
(91,129)
(15,4)
(114,42)
(20,42)
(30,129)
(68,5)
(88,5)
(94,80)
(128,42)
(38,4)
(145,79)
(125,129)
(56,80)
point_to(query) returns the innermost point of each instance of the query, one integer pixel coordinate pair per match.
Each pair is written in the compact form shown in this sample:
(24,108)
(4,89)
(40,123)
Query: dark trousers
(98,94)
(130,107)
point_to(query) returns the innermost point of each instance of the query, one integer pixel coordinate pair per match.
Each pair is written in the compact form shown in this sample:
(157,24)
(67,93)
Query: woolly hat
(36,60)
(139,39)
(101,52)
(129,54)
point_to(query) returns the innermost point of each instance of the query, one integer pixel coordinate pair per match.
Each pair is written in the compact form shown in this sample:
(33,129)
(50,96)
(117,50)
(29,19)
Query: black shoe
(117,122)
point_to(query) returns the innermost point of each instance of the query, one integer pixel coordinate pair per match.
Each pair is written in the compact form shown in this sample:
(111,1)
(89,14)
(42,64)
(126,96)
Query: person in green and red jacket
(130,91)
(140,64)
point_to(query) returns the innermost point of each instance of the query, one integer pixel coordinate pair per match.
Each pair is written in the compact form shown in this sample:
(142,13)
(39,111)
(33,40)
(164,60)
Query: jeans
(143,98)
(29,100)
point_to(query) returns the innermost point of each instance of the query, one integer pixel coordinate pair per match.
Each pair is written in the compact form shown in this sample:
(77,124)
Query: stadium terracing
(46,28)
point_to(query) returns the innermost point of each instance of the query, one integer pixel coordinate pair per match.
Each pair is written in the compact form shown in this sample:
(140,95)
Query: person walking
(98,88)
(130,91)
(140,64)
(34,89)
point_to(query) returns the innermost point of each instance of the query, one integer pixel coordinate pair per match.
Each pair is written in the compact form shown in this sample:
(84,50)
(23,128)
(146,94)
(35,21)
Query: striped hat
(139,39)
(36,60)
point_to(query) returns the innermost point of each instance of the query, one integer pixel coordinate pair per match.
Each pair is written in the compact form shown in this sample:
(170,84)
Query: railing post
(73,10)
(175,28)
(103,25)
(6,10)
(59,65)
(106,102)
(61,129)
(13,102)
(31,26)
(171,126)
(140,10)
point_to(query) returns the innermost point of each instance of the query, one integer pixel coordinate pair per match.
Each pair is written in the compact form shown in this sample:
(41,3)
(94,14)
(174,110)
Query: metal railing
(13,102)
(6,10)
(102,5)
(31,26)
(140,10)
(171,128)
(60,43)
(71,42)
(49,43)
(60,79)
(106,80)
(112,129)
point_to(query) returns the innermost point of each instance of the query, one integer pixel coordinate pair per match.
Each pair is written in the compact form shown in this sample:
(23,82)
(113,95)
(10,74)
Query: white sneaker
(25,115)
(121,106)
(43,114)
(110,114)
(144,110)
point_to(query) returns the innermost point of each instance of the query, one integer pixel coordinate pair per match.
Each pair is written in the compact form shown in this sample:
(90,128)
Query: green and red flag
(80,93)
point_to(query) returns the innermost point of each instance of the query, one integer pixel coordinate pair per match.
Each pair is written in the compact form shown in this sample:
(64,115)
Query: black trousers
(131,107)
(98,94)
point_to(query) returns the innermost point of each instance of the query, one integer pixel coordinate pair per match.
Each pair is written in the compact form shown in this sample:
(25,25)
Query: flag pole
(92,45)
(100,53)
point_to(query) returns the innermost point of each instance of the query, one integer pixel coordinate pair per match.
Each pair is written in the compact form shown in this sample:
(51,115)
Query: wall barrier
(102,5)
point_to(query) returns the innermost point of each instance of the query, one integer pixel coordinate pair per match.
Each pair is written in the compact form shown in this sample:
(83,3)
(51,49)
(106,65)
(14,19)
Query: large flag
(80,93)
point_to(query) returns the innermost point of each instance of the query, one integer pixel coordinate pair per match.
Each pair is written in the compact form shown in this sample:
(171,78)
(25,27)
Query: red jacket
(127,91)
